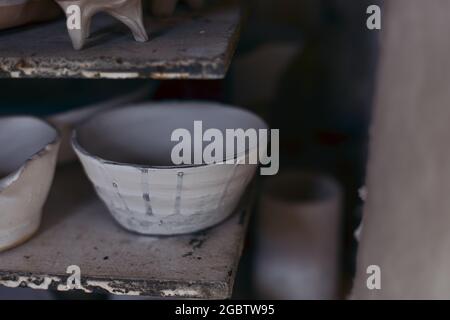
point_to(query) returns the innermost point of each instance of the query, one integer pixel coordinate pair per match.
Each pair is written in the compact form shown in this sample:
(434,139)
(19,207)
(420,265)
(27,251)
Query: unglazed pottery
(127,155)
(128,12)
(165,8)
(15,13)
(29,149)
(298,237)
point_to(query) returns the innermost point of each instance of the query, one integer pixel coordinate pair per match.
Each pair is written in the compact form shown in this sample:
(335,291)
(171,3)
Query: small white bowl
(29,149)
(126,154)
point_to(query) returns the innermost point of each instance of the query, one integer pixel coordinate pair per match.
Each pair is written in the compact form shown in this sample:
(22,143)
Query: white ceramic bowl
(29,149)
(126,154)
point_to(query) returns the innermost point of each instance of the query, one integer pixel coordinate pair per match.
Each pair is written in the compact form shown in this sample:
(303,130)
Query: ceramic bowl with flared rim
(29,148)
(126,153)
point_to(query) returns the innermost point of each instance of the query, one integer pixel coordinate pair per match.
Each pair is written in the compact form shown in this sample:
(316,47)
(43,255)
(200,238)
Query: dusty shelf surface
(78,230)
(189,45)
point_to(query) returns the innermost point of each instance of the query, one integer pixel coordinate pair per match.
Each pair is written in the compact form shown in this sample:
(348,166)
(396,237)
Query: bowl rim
(10,177)
(79,149)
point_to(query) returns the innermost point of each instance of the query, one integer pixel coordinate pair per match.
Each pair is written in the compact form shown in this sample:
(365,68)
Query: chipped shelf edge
(144,288)
(208,71)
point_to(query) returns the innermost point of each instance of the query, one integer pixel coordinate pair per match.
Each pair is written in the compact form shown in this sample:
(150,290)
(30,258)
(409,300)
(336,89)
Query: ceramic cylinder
(298,237)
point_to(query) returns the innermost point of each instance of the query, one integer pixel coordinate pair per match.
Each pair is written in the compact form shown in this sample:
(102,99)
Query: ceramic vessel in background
(15,13)
(66,102)
(165,8)
(66,121)
(127,155)
(129,12)
(29,149)
(299,237)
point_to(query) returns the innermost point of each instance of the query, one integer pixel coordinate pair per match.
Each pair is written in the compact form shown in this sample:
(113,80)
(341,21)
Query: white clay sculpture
(128,12)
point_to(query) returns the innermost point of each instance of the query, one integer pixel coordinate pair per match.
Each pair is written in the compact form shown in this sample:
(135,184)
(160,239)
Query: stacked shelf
(77,228)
